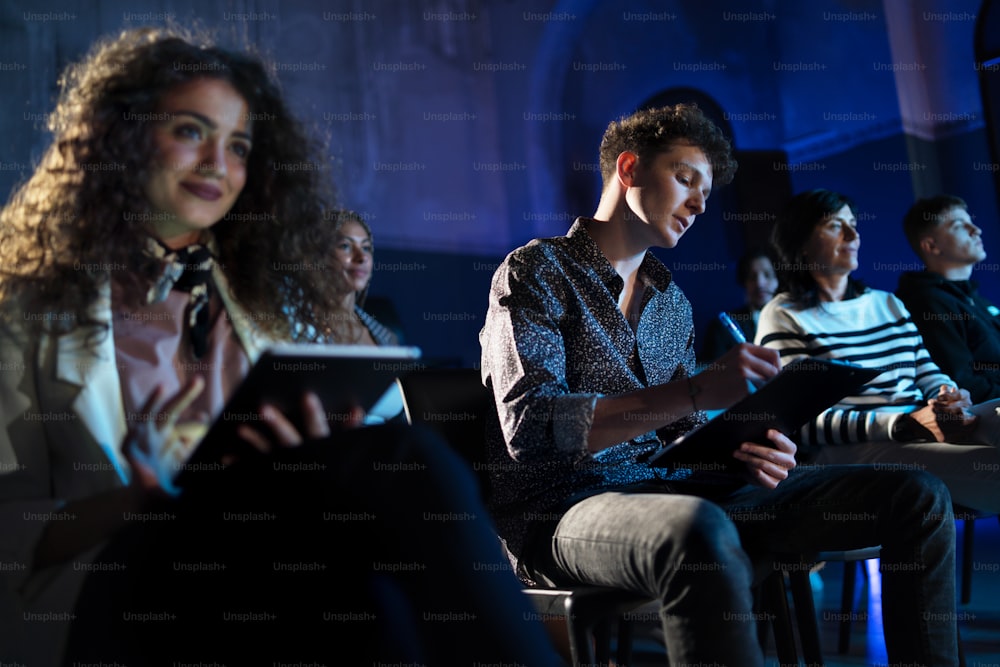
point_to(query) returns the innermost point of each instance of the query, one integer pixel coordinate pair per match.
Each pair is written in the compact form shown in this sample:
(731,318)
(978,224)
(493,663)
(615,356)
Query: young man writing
(588,347)
(960,327)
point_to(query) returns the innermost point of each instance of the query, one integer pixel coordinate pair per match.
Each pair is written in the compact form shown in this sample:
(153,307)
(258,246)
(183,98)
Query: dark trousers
(373,543)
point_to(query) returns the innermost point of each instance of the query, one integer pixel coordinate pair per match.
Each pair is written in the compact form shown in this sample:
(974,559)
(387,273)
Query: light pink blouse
(152,347)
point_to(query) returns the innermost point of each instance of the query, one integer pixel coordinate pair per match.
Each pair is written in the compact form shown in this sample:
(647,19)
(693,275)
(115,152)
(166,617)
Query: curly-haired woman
(163,241)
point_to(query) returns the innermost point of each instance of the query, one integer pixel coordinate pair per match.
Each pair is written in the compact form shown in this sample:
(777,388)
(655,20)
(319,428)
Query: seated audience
(755,274)
(910,415)
(588,350)
(151,257)
(960,327)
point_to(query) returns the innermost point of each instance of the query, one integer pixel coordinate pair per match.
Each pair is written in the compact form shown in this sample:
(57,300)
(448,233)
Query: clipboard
(803,389)
(341,376)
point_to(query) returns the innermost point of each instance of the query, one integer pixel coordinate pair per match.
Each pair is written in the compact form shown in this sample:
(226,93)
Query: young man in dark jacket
(960,327)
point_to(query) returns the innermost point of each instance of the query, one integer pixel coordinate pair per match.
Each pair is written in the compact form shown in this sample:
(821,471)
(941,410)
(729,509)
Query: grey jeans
(702,557)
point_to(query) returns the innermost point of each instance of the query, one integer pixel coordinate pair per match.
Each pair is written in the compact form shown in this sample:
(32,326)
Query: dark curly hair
(651,131)
(83,218)
(792,230)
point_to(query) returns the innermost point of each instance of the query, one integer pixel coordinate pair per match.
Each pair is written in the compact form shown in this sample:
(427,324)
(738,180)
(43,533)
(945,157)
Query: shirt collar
(652,271)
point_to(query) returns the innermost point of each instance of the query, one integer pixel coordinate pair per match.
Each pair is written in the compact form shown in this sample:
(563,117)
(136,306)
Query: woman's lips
(358,275)
(203,191)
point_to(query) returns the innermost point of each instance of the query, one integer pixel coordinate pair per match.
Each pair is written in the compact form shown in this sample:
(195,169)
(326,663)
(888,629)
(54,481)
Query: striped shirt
(873,330)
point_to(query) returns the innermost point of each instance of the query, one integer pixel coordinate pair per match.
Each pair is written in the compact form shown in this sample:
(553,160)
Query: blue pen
(737,334)
(732,328)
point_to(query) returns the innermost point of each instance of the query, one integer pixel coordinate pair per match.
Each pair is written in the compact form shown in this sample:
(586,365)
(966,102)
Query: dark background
(464,128)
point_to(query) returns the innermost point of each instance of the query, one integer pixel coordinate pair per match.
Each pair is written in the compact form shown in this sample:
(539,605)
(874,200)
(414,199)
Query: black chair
(967,516)
(454,403)
(796,568)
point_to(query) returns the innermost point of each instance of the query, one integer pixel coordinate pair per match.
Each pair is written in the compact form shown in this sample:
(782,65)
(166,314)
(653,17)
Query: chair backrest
(454,403)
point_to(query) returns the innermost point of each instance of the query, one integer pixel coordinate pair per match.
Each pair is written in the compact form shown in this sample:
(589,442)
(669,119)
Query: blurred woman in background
(354,259)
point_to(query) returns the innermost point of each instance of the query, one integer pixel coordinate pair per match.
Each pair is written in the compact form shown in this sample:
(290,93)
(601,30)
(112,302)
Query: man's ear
(627,165)
(928,247)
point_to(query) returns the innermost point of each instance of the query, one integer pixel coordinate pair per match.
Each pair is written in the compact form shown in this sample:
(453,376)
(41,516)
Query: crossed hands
(947,415)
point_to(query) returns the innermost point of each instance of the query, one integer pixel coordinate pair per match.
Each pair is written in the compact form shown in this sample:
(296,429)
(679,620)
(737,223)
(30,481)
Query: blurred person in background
(755,274)
(354,258)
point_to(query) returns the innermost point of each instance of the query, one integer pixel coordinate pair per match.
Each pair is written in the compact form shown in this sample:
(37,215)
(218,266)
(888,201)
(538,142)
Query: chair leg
(763,615)
(805,612)
(581,645)
(602,642)
(590,628)
(847,606)
(961,651)
(623,652)
(968,536)
(775,596)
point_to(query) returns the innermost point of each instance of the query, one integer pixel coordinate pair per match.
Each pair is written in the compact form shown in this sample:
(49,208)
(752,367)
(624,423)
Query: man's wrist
(908,429)
(693,390)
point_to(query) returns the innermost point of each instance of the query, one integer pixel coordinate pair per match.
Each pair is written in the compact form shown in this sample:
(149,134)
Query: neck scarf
(188,269)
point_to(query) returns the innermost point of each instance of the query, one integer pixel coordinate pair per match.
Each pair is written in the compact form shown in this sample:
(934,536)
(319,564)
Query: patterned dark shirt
(553,342)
